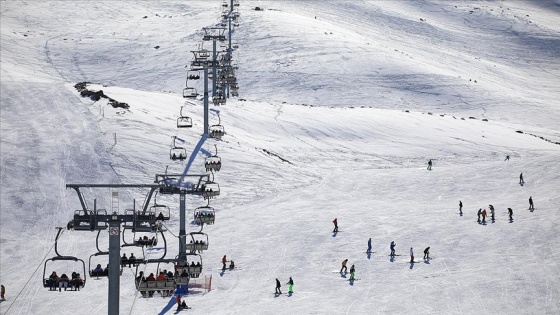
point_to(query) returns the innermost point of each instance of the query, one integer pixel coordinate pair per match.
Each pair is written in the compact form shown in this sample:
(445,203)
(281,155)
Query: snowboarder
(290,284)
(2,292)
(369,245)
(427,253)
(460,207)
(278,286)
(392,246)
(521,181)
(507,158)
(352,271)
(510,212)
(479,213)
(484,216)
(531,206)
(231,265)
(335,222)
(224,260)
(492,212)
(430,164)
(411,255)
(344,262)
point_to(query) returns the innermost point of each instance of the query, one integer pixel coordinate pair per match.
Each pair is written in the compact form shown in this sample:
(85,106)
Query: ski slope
(342,103)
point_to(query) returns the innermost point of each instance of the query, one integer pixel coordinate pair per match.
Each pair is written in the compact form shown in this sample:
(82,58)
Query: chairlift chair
(210,189)
(177,152)
(193,265)
(204,215)
(51,283)
(198,242)
(216,131)
(193,75)
(213,163)
(99,271)
(165,287)
(190,92)
(184,121)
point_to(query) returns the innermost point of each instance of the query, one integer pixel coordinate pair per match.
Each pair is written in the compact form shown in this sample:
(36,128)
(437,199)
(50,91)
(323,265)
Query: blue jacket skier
(392,248)
(369,245)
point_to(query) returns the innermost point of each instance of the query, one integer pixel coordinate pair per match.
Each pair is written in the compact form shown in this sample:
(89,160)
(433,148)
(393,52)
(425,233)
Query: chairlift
(184,121)
(166,285)
(52,282)
(218,100)
(214,162)
(198,242)
(204,215)
(216,131)
(177,152)
(210,189)
(193,75)
(148,240)
(98,270)
(162,212)
(190,92)
(192,266)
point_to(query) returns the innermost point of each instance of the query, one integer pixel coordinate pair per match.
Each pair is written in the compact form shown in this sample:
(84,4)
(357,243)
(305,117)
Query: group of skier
(290,284)
(482,212)
(426,252)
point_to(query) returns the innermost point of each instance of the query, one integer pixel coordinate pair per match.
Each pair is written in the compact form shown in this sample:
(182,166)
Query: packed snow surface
(342,104)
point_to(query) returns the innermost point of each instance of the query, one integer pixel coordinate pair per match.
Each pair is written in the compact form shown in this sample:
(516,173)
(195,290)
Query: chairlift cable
(28,280)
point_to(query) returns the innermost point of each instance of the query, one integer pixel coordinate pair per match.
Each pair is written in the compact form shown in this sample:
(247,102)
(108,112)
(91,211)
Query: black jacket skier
(278,286)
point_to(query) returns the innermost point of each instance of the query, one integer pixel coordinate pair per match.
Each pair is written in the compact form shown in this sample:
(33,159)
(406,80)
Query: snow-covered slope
(341,105)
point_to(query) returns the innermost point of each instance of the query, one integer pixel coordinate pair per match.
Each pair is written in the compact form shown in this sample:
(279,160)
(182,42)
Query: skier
(224,260)
(531,206)
(392,246)
(484,216)
(430,164)
(352,271)
(335,221)
(492,212)
(369,245)
(290,286)
(479,213)
(427,253)
(521,181)
(179,302)
(510,214)
(344,262)
(278,286)
(2,292)
(460,207)
(411,255)
(507,158)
